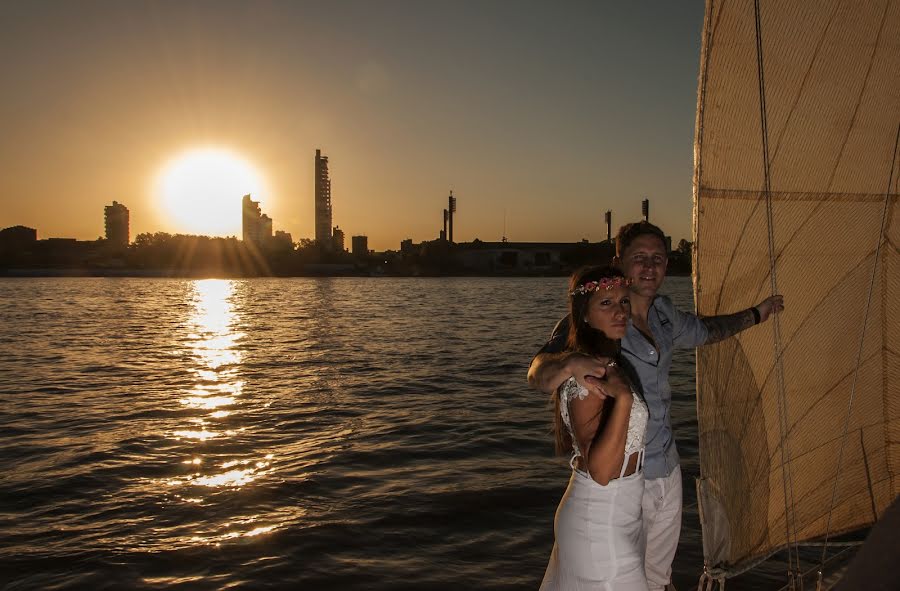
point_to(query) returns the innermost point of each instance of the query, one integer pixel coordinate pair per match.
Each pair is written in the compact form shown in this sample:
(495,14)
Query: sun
(200,190)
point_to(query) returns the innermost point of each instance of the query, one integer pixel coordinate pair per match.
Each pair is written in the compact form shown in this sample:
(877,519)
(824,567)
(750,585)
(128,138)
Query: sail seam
(812,452)
(868,471)
(820,204)
(862,93)
(749,194)
(813,309)
(825,395)
(806,74)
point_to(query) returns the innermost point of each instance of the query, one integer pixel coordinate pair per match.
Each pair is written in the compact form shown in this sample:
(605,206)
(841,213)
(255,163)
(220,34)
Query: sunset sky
(547,114)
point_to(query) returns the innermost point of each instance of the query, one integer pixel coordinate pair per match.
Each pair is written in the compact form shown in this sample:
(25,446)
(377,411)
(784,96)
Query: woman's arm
(602,438)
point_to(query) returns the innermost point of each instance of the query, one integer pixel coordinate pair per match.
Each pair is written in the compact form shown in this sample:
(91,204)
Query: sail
(772,429)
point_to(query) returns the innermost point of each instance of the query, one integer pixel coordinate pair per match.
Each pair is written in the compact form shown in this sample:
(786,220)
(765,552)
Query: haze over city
(538,117)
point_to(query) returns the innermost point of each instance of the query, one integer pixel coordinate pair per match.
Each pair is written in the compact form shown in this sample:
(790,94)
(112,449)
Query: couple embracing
(607,368)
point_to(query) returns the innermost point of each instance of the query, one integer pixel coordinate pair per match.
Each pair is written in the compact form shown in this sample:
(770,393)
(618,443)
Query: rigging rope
(859,351)
(786,472)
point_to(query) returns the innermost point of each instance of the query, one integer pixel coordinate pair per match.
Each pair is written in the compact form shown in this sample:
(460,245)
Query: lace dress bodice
(637,421)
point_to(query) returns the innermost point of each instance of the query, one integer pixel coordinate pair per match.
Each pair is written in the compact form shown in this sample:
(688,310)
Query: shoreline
(201,274)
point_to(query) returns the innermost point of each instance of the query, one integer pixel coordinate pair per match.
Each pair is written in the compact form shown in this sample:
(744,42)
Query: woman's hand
(615,385)
(606,451)
(588,371)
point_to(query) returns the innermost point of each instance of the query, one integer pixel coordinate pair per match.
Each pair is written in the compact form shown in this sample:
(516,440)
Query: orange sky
(545,117)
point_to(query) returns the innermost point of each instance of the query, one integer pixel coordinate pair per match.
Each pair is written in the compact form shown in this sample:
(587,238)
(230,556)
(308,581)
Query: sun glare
(200,190)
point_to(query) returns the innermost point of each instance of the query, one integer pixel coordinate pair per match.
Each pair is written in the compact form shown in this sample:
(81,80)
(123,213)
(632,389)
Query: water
(343,433)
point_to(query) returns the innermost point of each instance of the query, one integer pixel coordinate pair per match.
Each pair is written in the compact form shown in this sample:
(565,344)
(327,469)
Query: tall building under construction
(323,201)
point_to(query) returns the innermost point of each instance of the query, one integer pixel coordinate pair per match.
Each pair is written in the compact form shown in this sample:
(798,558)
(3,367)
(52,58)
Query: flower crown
(605,283)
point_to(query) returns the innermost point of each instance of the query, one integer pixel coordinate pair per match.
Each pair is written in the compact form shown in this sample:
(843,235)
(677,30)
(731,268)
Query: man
(655,330)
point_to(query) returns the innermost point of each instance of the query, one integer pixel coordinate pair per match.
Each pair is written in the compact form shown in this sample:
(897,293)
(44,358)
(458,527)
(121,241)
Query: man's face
(644,262)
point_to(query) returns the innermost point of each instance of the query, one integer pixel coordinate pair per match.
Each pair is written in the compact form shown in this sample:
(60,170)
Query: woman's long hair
(583,338)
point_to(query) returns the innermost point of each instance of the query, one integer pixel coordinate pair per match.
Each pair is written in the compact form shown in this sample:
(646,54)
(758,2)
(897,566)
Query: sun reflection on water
(213,319)
(231,532)
(212,346)
(199,435)
(207,401)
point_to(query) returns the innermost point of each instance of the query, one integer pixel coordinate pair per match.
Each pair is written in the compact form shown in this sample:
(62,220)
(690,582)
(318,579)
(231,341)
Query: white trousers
(662,527)
(598,537)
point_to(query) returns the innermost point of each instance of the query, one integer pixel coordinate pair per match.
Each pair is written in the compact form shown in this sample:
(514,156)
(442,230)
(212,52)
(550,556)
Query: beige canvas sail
(770,435)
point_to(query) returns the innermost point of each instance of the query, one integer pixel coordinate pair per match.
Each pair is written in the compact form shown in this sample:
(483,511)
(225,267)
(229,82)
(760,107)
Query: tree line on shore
(166,254)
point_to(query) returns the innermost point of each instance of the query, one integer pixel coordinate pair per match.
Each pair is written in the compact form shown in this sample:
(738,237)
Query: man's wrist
(757,317)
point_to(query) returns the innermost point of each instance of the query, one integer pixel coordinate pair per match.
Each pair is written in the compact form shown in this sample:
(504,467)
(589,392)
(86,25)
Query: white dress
(598,528)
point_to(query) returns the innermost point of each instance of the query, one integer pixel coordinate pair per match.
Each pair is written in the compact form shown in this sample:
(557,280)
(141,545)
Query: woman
(598,522)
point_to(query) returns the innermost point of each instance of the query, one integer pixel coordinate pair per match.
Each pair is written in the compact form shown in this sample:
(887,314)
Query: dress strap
(638,467)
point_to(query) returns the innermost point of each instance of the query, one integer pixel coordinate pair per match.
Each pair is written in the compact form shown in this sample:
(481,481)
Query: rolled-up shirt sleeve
(688,330)
(558,338)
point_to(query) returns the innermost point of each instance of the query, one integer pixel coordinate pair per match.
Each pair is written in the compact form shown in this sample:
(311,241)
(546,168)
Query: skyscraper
(116,220)
(451,209)
(323,201)
(360,245)
(256,226)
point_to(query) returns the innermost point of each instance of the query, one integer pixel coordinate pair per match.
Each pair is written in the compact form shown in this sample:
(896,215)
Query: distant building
(63,243)
(69,252)
(116,221)
(256,226)
(283,238)
(451,209)
(360,246)
(406,246)
(503,257)
(17,237)
(323,200)
(337,238)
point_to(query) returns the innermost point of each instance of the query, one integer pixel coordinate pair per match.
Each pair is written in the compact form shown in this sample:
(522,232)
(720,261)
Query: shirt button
(651,352)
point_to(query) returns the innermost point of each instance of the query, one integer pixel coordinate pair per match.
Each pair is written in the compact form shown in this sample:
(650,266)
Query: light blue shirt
(672,329)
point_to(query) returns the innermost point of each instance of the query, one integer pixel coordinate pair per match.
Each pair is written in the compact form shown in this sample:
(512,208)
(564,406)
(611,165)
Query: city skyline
(539,120)
(258,228)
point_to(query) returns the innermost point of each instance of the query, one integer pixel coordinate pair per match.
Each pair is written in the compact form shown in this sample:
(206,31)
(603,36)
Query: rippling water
(345,433)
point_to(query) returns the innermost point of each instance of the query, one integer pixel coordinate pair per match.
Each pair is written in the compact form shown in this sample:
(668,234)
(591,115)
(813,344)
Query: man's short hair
(629,232)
